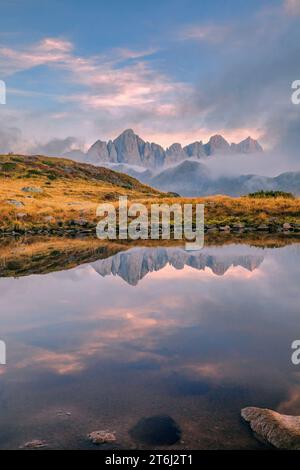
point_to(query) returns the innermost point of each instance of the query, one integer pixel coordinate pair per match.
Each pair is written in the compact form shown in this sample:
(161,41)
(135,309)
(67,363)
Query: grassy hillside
(42,194)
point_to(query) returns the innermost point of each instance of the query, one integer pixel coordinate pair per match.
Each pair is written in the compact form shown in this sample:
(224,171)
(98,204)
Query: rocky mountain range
(134,264)
(129,148)
(183,170)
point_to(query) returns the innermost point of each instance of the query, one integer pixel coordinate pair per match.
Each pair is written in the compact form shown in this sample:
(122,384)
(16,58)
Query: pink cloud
(48,51)
(196,133)
(108,82)
(292,7)
(54,44)
(119,89)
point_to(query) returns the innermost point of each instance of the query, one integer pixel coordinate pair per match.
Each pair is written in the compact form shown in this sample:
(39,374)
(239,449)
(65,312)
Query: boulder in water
(282,431)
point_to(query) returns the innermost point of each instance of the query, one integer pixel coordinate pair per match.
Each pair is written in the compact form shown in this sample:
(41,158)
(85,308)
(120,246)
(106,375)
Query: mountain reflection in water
(136,263)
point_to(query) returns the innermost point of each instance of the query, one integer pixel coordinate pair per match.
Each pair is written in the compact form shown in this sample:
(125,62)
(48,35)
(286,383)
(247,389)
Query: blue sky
(174,70)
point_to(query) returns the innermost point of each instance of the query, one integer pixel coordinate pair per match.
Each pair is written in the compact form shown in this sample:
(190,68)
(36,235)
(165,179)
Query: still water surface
(189,336)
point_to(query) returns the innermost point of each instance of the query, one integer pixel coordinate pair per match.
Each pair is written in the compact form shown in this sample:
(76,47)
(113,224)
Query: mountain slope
(289,181)
(189,177)
(52,169)
(41,192)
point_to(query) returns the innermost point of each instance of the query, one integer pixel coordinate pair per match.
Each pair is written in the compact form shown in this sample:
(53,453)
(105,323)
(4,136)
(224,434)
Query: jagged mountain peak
(217,139)
(247,145)
(127,132)
(217,144)
(195,149)
(130,148)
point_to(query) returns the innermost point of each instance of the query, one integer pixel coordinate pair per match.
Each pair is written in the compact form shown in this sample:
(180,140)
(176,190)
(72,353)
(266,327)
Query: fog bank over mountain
(191,178)
(271,163)
(221,157)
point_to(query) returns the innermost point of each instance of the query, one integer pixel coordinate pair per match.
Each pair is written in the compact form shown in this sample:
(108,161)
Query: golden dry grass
(224,210)
(72,191)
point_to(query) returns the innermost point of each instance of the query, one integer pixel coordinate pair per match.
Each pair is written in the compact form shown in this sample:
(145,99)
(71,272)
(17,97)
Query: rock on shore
(282,431)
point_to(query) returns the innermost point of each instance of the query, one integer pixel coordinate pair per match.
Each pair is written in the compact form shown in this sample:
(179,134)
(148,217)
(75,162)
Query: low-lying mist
(261,164)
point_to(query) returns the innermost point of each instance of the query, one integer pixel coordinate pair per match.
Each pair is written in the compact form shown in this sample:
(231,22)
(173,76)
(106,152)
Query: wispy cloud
(213,33)
(110,91)
(106,80)
(46,52)
(179,93)
(125,53)
(58,146)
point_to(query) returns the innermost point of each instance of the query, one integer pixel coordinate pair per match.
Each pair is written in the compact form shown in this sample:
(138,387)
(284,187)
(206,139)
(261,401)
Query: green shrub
(49,163)
(34,172)
(273,194)
(8,166)
(51,176)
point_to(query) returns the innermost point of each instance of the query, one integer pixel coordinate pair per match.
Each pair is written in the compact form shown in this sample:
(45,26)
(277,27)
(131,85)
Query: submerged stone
(156,430)
(102,437)
(35,444)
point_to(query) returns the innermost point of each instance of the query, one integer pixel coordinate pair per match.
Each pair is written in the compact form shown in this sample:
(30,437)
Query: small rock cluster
(153,430)
(239,227)
(32,189)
